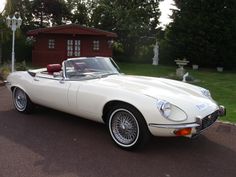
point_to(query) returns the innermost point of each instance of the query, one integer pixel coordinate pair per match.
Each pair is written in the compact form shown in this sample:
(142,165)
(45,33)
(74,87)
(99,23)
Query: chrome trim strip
(171,126)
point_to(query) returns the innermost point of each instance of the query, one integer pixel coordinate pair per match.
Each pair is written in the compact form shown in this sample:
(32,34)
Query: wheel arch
(112,103)
(17,86)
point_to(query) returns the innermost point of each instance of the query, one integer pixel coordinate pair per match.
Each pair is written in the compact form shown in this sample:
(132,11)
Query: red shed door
(73,48)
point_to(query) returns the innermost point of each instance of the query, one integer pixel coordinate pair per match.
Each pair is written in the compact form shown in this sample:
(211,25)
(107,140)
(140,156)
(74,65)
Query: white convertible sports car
(132,107)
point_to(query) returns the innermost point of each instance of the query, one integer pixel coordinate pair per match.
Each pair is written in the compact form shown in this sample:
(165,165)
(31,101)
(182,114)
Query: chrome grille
(208,120)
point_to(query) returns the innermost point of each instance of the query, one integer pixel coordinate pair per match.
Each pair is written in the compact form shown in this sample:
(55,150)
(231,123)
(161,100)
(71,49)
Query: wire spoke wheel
(124,127)
(20,99)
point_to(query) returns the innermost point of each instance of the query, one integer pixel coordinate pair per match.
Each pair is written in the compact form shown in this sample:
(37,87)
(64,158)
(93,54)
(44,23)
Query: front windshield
(89,67)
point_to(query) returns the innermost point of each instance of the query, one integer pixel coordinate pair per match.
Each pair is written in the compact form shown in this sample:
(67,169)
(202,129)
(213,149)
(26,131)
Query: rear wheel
(127,127)
(21,101)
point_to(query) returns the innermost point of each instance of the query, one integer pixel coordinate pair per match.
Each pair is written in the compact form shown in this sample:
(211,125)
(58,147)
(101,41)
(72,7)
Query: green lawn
(221,85)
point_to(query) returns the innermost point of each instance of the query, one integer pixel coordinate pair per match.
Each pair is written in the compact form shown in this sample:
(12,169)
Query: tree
(133,21)
(4,35)
(46,12)
(204,32)
(24,9)
(79,11)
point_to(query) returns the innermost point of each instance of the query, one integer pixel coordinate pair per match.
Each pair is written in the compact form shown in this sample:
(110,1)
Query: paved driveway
(50,143)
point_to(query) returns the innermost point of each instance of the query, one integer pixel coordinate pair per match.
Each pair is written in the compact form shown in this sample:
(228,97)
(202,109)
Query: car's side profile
(132,107)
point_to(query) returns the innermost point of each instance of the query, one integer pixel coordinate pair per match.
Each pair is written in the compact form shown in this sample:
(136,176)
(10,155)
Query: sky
(164,7)
(2,4)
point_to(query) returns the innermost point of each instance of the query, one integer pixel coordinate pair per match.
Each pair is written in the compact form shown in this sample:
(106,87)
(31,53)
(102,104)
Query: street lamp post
(13,23)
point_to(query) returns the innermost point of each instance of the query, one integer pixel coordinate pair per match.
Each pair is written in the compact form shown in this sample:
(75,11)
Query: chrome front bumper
(197,127)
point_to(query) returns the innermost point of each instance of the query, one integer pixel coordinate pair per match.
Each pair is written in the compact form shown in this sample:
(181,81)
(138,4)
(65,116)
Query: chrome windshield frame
(115,66)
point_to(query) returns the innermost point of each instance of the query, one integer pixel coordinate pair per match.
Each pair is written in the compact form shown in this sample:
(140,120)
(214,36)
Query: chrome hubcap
(20,99)
(124,127)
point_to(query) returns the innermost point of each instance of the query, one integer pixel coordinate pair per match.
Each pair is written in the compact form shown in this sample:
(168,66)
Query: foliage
(220,84)
(24,8)
(21,66)
(201,30)
(23,49)
(135,22)
(4,71)
(4,36)
(46,12)
(204,32)
(78,11)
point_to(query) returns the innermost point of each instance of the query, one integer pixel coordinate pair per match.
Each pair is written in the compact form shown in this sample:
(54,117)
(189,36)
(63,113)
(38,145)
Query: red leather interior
(80,66)
(51,68)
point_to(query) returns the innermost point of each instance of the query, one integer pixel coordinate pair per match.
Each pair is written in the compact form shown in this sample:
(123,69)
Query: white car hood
(178,93)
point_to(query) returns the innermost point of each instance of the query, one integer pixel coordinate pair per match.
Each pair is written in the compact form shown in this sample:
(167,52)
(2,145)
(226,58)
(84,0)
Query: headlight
(164,107)
(206,93)
(170,111)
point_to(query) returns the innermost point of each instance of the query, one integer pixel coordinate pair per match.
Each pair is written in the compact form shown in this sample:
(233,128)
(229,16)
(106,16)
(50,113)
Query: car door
(51,92)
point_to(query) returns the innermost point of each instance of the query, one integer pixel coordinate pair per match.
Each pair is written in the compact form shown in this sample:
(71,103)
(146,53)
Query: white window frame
(51,43)
(69,48)
(73,48)
(76,48)
(96,45)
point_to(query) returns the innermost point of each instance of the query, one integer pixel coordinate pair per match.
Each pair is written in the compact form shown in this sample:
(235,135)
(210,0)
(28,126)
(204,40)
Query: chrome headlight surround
(164,107)
(170,111)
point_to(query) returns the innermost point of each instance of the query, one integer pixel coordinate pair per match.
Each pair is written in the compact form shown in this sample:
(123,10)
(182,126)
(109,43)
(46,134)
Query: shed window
(77,48)
(69,48)
(96,45)
(51,43)
(73,48)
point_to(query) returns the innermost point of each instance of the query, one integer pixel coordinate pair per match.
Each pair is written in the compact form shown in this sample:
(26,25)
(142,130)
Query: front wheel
(127,127)
(21,101)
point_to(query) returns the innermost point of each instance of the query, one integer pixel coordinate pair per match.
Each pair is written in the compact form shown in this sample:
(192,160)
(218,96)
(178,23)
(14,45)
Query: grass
(221,85)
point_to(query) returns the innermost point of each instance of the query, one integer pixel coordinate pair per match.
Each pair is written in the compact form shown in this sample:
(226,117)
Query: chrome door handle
(36,79)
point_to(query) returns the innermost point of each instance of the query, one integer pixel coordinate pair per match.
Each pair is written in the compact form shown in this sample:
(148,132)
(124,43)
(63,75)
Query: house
(55,44)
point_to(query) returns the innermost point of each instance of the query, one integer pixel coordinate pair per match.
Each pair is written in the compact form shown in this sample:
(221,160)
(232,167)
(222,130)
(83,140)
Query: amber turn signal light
(183,132)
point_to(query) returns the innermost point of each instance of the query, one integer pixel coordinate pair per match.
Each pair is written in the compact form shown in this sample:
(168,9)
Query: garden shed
(55,44)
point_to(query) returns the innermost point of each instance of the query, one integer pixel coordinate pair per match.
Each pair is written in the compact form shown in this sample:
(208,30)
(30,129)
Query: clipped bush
(4,72)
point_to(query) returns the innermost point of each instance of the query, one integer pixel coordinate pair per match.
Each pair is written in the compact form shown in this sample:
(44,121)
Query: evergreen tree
(204,32)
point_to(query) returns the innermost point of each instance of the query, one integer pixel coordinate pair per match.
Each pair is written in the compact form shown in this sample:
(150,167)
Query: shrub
(21,66)
(4,72)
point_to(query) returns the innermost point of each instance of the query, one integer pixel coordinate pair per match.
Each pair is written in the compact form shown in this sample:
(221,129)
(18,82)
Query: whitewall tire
(127,127)
(21,101)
